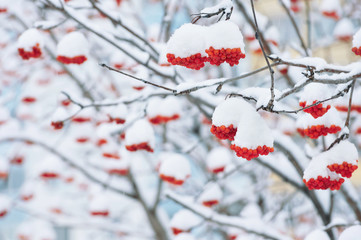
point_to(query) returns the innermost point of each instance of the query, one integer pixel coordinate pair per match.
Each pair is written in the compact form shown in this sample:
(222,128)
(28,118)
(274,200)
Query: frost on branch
(140,136)
(163,110)
(72,49)
(253,137)
(217,159)
(216,44)
(174,168)
(313,93)
(325,170)
(356,43)
(226,116)
(183,221)
(330,123)
(30,44)
(344,30)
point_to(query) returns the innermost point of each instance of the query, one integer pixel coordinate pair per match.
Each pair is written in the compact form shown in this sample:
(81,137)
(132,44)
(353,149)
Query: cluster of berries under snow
(216,44)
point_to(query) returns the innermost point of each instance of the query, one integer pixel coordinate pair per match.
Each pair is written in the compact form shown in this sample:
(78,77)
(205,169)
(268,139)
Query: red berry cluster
(215,57)
(100,213)
(72,60)
(163,119)
(223,132)
(251,153)
(140,146)
(345,38)
(28,100)
(57,125)
(3,10)
(120,172)
(332,14)
(324,183)
(345,169)
(101,142)
(17,160)
(358,130)
(3,213)
(35,53)
(171,180)
(82,140)
(229,55)
(49,175)
(117,120)
(356,50)
(195,61)
(138,88)
(4,175)
(217,170)
(80,119)
(210,203)
(319,130)
(27,197)
(317,110)
(111,155)
(355,108)
(176,231)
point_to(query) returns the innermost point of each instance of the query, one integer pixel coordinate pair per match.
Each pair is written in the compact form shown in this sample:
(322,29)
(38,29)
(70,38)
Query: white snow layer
(317,235)
(344,28)
(29,39)
(211,192)
(218,157)
(315,92)
(351,233)
(224,34)
(253,131)
(184,236)
(141,131)
(184,220)
(73,44)
(4,203)
(332,117)
(230,111)
(99,203)
(176,165)
(356,42)
(330,6)
(225,4)
(165,107)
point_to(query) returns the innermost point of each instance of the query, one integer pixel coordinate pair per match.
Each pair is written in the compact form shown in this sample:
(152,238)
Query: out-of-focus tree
(124,119)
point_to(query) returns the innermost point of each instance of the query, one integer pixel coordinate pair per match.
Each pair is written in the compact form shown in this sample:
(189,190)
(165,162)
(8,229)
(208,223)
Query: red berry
(140,146)
(26,55)
(251,153)
(72,60)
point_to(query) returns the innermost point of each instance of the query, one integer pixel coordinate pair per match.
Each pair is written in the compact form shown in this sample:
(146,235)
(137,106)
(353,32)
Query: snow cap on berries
(315,92)
(175,169)
(331,8)
(183,221)
(351,233)
(5,205)
(179,43)
(99,206)
(72,48)
(30,44)
(163,110)
(342,158)
(27,191)
(217,159)
(253,131)
(356,43)
(211,195)
(344,30)
(117,114)
(184,236)
(141,132)
(224,34)
(226,116)
(317,235)
(272,35)
(43,230)
(50,168)
(4,168)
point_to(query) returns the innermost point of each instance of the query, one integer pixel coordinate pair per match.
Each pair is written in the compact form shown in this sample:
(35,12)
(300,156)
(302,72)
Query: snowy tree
(146,119)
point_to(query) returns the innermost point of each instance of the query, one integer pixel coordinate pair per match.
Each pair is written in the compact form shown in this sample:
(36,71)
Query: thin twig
(271,101)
